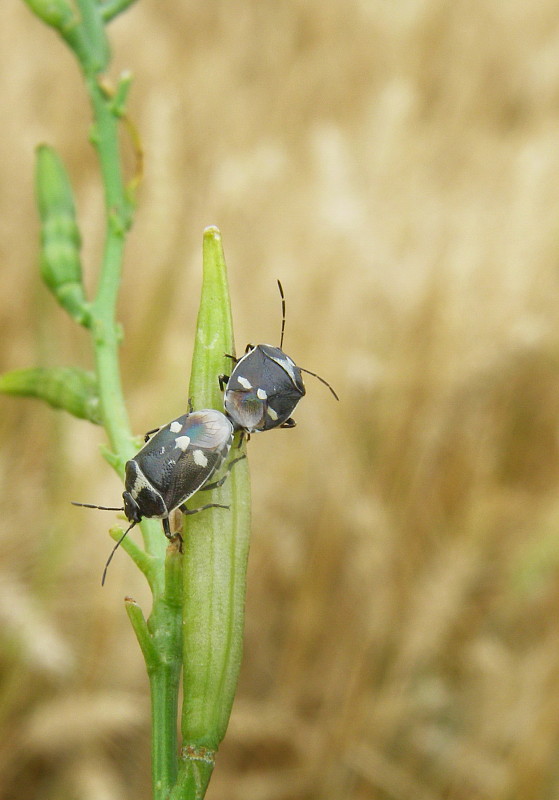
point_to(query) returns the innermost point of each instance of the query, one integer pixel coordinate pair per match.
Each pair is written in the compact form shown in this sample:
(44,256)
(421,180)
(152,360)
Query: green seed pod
(60,237)
(69,388)
(215,552)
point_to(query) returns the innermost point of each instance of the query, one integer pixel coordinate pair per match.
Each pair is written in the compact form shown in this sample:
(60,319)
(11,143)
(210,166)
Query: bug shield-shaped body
(177,461)
(263,389)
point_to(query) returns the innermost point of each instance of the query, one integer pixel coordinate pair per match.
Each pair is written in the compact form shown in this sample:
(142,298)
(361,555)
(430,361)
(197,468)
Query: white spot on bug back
(271,413)
(261,394)
(200,458)
(182,442)
(245,383)
(175,427)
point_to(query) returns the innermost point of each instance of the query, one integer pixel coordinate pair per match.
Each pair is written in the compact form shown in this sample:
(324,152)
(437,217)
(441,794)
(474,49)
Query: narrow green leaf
(69,388)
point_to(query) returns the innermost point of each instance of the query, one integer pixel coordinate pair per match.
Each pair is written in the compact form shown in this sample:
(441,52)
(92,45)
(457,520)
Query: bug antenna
(280,287)
(101,508)
(320,379)
(113,551)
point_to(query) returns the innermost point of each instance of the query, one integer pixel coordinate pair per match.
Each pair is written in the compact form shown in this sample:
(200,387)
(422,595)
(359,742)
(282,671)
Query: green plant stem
(164,676)
(106,335)
(164,689)
(118,219)
(163,630)
(96,54)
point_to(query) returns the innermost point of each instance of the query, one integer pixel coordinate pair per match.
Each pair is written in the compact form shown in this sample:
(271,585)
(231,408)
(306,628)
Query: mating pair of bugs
(179,458)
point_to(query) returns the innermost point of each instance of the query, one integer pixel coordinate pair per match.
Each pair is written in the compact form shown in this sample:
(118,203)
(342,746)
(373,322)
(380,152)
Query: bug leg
(234,359)
(172,537)
(221,481)
(188,511)
(289,423)
(223,379)
(150,433)
(244,435)
(167,528)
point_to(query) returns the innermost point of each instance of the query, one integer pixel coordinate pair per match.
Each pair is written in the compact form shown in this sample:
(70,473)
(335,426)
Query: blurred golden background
(397,166)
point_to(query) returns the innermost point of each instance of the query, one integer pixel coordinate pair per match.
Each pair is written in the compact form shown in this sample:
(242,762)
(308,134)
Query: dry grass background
(397,165)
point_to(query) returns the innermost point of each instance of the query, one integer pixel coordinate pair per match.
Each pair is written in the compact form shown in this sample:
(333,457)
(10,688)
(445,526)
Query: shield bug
(176,461)
(265,386)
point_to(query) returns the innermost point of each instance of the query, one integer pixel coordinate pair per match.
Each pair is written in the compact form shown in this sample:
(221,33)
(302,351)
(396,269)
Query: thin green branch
(150,565)
(112,8)
(145,640)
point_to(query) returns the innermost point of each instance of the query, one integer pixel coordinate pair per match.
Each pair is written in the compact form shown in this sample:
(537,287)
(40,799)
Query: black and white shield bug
(175,463)
(265,386)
